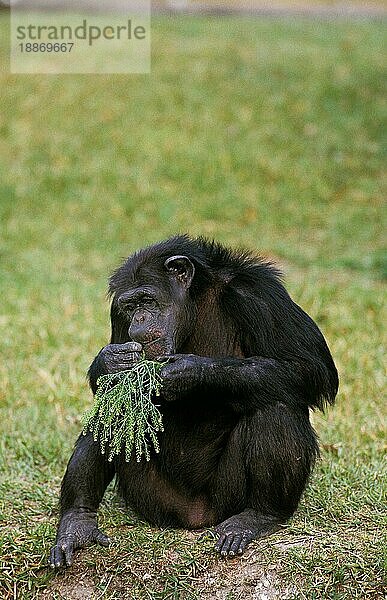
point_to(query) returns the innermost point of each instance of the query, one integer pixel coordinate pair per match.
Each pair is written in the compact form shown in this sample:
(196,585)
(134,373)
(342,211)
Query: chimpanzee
(243,365)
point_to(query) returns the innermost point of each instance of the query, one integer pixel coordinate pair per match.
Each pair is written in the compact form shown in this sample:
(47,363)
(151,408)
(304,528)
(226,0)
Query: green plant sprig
(123,414)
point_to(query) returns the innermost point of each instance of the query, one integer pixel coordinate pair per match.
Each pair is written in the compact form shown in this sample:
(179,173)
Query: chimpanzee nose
(139,327)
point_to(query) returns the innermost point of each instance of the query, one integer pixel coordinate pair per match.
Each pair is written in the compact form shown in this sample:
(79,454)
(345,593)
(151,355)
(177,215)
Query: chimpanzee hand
(119,357)
(181,373)
(234,535)
(78,527)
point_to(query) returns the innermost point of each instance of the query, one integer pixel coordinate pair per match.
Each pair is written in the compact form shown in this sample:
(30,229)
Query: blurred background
(264,131)
(374,7)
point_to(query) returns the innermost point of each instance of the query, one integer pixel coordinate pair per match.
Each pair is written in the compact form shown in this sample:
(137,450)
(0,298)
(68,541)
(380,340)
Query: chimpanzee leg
(278,447)
(87,476)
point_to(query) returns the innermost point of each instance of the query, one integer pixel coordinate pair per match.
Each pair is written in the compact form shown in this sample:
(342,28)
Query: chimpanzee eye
(129,306)
(149,302)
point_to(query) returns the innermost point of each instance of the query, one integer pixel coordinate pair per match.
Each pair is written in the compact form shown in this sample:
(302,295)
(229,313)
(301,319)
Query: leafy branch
(123,414)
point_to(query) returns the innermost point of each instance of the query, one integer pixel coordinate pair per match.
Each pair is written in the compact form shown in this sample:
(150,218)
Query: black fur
(245,365)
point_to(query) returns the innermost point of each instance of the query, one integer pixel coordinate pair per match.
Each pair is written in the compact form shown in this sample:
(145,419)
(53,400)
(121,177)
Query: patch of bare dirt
(74,586)
(244,579)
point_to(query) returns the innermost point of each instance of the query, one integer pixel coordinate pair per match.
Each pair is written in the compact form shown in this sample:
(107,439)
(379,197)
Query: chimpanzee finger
(167,358)
(127,347)
(226,545)
(57,558)
(68,549)
(219,543)
(125,361)
(168,370)
(51,560)
(235,546)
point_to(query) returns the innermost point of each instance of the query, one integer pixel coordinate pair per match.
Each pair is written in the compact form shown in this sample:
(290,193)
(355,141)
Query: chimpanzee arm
(87,476)
(250,383)
(287,358)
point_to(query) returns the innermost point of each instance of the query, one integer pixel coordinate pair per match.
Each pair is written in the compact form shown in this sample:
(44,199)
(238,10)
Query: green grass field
(265,134)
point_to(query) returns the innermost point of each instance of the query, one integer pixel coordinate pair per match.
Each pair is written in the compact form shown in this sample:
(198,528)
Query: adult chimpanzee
(245,363)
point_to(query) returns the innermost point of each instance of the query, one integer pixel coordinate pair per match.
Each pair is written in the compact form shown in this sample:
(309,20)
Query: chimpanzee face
(158,309)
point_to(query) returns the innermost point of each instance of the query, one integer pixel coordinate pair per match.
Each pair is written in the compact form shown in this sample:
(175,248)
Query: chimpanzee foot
(233,538)
(77,529)
(238,531)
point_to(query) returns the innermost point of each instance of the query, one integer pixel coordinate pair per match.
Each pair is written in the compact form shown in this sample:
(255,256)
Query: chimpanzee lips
(157,347)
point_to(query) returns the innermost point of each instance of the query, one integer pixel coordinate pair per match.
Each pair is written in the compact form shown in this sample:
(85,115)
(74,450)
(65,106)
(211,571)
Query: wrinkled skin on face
(152,319)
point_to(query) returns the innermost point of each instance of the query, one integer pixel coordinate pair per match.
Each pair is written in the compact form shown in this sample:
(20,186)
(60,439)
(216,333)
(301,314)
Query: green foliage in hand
(123,414)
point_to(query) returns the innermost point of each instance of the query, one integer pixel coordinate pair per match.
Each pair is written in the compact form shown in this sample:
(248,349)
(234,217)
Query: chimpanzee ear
(182,268)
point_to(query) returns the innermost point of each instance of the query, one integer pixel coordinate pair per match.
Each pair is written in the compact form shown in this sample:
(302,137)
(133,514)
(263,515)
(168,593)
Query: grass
(266,134)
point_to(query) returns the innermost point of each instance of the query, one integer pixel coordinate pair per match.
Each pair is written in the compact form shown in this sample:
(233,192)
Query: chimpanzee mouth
(157,347)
